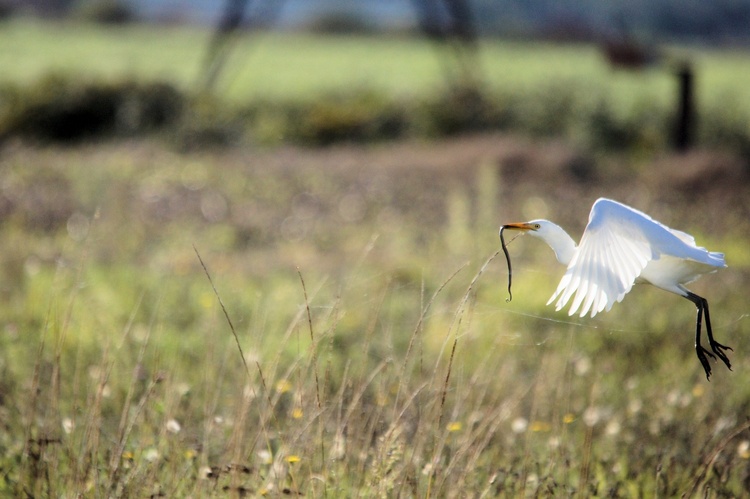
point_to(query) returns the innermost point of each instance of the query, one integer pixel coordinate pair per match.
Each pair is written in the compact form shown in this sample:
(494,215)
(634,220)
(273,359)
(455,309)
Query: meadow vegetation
(316,90)
(332,322)
(380,355)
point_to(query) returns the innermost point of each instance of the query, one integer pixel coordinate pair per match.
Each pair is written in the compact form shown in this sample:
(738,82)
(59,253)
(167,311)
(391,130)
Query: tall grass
(371,351)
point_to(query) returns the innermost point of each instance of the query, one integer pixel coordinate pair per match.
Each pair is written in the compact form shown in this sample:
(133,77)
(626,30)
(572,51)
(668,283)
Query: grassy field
(333,322)
(292,66)
(380,355)
(315,90)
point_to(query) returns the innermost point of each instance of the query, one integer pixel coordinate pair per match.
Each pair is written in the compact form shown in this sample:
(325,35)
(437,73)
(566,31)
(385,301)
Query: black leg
(699,350)
(702,305)
(717,347)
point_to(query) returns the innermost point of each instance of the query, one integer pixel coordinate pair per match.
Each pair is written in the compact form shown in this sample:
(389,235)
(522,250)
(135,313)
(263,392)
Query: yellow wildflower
(454,426)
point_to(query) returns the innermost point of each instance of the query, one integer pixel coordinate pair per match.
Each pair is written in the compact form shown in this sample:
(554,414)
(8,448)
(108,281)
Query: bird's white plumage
(621,246)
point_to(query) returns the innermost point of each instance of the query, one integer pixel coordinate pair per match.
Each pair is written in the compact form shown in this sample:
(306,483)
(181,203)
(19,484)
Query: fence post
(685,119)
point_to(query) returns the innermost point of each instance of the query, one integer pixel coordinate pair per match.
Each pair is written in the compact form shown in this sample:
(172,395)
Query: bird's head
(550,233)
(534,227)
(530,227)
(545,230)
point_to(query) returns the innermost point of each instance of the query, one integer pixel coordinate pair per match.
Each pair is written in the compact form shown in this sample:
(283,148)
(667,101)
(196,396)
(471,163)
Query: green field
(292,66)
(371,351)
(301,88)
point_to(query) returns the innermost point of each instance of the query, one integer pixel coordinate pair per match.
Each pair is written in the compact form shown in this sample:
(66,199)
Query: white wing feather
(616,246)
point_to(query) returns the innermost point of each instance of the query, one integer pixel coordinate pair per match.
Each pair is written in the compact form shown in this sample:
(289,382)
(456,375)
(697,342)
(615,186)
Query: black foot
(702,352)
(719,349)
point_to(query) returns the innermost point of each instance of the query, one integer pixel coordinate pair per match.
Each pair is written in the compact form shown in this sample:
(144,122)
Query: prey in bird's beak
(522,226)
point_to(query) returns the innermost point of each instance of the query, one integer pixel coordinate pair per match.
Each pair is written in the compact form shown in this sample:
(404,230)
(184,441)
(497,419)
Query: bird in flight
(622,246)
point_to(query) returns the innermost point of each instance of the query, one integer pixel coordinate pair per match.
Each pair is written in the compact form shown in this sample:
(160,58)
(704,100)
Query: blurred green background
(287,282)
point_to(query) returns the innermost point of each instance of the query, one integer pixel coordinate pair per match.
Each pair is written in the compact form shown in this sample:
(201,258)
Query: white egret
(622,246)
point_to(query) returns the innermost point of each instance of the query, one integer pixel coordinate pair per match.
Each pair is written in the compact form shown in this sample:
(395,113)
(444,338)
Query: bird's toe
(702,353)
(716,345)
(719,349)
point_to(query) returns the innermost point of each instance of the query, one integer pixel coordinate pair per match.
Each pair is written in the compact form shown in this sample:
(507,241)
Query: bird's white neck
(559,240)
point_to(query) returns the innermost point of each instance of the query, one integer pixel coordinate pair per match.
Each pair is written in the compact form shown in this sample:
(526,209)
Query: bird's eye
(537,226)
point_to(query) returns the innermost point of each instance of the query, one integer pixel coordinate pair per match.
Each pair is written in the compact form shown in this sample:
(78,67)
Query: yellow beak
(519,226)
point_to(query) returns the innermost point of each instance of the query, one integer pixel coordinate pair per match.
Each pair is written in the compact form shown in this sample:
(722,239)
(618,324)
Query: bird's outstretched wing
(616,246)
